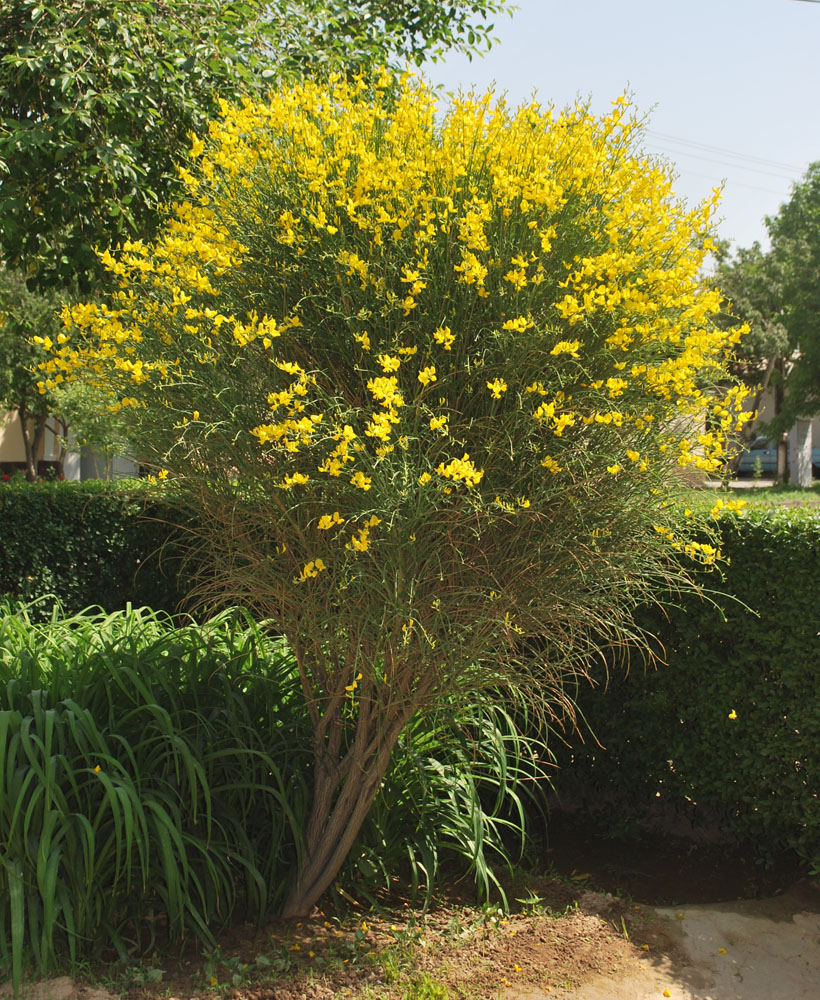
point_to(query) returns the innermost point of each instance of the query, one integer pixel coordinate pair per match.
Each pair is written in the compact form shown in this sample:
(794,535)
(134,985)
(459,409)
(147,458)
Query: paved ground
(746,950)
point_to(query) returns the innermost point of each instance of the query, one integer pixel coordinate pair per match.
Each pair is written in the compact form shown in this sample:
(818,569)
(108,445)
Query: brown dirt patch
(562,938)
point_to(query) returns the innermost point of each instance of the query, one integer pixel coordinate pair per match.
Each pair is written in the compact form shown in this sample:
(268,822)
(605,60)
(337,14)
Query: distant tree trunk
(782,441)
(32,439)
(61,434)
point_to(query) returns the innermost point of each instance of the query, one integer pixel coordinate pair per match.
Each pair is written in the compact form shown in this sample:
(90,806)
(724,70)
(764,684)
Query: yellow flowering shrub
(446,365)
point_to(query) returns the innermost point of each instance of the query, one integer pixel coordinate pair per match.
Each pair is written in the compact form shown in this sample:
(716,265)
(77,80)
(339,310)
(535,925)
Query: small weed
(426,988)
(533,904)
(490,915)
(220,971)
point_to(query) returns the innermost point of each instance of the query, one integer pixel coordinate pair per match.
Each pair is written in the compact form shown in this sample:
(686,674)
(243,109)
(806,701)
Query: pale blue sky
(733,86)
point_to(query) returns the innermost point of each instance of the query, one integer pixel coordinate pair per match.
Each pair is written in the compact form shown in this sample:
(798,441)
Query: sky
(732,87)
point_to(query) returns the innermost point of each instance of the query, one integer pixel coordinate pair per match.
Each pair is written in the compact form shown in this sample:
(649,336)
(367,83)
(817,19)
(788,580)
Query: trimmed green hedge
(667,733)
(729,728)
(88,543)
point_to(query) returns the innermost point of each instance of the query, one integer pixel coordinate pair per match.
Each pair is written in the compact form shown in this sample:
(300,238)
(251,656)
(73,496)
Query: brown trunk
(343,792)
(31,442)
(61,433)
(782,446)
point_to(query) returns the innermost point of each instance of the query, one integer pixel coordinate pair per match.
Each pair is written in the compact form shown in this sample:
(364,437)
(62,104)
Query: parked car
(764,452)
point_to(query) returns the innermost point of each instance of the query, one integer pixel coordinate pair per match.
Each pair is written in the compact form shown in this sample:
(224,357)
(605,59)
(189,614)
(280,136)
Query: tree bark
(782,443)
(31,442)
(343,792)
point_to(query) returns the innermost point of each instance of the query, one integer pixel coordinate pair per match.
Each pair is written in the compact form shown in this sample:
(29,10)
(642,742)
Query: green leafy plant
(459,790)
(147,770)
(154,776)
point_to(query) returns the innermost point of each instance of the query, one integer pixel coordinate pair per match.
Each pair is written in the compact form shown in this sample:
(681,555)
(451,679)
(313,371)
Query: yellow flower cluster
(343,257)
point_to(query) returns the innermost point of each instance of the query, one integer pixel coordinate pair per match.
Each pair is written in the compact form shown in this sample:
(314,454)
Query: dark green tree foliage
(752,282)
(795,233)
(777,292)
(356,34)
(98,97)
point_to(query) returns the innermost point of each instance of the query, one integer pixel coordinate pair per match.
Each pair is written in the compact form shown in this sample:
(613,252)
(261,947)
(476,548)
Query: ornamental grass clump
(428,379)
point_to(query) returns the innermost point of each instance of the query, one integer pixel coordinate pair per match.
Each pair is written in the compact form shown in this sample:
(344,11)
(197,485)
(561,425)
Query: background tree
(428,383)
(752,285)
(24,315)
(795,234)
(99,98)
(777,292)
(96,431)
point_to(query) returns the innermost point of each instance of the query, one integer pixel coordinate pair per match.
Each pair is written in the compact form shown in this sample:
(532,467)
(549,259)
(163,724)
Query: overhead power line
(722,151)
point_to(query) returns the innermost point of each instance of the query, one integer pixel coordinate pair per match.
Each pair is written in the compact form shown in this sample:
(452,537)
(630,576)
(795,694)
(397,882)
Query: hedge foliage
(87,543)
(729,727)
(667,732)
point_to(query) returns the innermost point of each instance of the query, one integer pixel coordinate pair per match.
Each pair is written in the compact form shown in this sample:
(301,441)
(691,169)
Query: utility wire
(721,151)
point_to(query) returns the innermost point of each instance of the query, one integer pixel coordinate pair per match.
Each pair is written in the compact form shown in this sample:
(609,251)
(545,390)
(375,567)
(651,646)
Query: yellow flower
(388,362)
(427,375)
(520,324)
(327,521)
(733,714)
(444,337)
(570,347)
(361,480)
(496,387)
(460,469)
(613,469)
(550,464)
(310,570)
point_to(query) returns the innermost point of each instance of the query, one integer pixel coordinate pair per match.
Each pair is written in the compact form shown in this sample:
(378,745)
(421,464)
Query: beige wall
(11,440)
(766,412)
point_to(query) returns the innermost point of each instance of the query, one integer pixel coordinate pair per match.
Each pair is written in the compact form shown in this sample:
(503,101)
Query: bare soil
(564,938)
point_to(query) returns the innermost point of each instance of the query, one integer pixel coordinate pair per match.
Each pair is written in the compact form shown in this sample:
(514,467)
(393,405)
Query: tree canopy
(795,234)
(99,98)
(777,292)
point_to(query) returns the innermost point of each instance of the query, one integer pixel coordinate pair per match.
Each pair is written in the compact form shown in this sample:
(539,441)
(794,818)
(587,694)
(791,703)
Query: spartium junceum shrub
(428,376)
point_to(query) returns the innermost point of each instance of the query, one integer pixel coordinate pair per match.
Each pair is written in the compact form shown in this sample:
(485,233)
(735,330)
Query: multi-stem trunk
(343,792)
(352,746)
